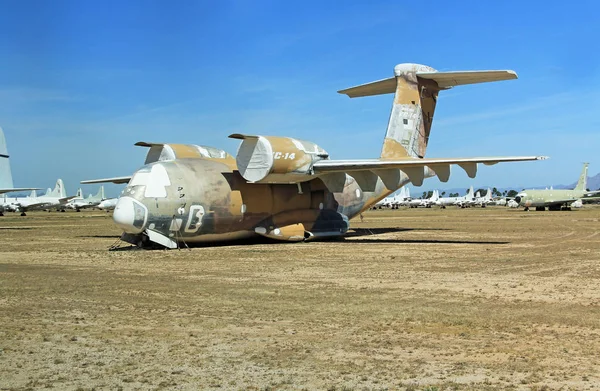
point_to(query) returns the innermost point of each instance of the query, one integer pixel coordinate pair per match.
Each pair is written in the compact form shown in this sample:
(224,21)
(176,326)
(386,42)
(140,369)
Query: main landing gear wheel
(526,209)
(23,214)
(540,208)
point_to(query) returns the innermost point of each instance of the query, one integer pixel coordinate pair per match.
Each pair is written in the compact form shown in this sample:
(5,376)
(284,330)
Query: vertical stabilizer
(100,194)
(6,181)
(582,183)
(79,193)
(469,193)
(59,190)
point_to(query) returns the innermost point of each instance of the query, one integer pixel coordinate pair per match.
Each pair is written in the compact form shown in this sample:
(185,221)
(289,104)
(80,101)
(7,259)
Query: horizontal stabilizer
(451,79)
(117,180)
(444,80)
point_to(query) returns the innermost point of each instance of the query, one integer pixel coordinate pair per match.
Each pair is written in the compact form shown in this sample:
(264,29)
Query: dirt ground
(428,299)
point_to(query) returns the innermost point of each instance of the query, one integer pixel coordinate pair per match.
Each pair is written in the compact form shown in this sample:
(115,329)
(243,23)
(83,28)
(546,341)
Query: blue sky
(82,81)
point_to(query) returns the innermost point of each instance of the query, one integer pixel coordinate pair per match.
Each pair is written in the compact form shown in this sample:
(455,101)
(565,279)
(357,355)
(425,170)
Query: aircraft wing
(65,200)
(414,168)
(2,191)
(117,180)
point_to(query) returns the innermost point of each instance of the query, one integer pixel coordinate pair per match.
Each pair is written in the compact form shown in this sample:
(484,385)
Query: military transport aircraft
(555,199)
(284,188)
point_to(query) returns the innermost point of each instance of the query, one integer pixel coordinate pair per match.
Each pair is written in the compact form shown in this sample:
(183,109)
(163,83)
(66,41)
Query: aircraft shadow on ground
(423,241)
(366,236)
(100,236)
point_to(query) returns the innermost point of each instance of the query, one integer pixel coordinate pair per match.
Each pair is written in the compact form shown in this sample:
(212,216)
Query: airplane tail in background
(59,190)
(488,195)
(100,194)
(582,183)
(79,193)
(469,193)
(6,181)
(416,88)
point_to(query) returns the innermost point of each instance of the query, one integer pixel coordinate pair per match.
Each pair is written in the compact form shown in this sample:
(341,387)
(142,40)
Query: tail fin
(79,193)
(100,194)
(582,183)
(6,181)
(469,193)
(59,190)
(416,88)
(33,194)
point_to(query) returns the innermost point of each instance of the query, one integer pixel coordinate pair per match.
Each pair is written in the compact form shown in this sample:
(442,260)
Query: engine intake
(270,159)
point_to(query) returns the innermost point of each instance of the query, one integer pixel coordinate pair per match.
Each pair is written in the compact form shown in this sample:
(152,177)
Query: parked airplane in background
(485,200)
(6,181)
(463,202)
(424,202)
(108,204)
(92,201)
(555,199)
(287,189)
(52,199)
(394,201)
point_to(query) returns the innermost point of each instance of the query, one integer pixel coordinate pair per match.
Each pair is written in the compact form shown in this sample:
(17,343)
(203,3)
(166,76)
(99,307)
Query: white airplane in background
(462,202)
(426,202)
(52,199)
(485,200)
(108,204)
(92,201)
(394,201)
(6,181)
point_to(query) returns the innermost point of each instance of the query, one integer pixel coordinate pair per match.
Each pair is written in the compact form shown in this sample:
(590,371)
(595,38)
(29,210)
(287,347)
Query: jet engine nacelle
(270,159)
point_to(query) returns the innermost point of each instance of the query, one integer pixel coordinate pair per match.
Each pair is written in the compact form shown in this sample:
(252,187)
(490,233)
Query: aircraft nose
(130,215)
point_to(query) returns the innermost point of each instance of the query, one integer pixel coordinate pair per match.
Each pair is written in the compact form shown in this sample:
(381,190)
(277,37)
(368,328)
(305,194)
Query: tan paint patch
(406,92)
(392,149)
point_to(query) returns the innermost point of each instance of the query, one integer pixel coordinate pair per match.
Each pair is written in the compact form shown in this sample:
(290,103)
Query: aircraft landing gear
(526,209)
(23,214)
(554,207)
(567,208)
(540,208)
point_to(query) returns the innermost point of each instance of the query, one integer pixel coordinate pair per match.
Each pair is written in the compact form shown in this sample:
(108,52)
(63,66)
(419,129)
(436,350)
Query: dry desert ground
(428,299)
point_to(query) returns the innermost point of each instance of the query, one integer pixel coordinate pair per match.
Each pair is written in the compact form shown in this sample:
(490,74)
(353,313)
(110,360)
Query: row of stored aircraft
(52,199)
(56,199)
(553,199)
(285,188)
(403,198)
